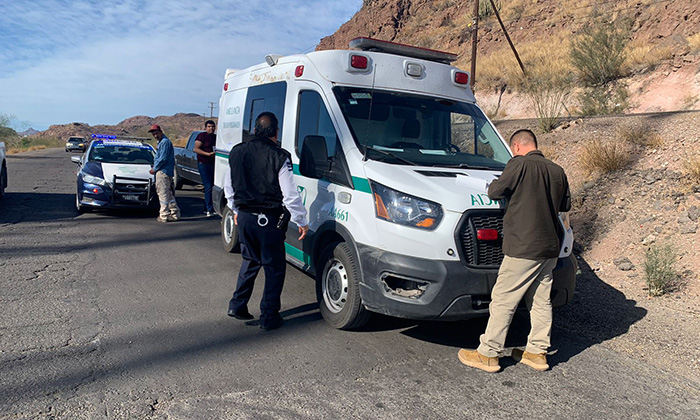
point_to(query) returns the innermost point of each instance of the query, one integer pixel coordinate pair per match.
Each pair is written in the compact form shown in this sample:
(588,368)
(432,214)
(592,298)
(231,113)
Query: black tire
(177,180)
(3,180)
(78,207)
(338,288)
(229,232)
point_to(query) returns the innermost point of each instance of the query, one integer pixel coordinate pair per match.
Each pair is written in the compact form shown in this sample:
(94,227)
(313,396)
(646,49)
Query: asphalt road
(118,316)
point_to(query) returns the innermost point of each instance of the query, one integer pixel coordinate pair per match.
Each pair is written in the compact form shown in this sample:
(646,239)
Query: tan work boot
(475,359)
(535,361)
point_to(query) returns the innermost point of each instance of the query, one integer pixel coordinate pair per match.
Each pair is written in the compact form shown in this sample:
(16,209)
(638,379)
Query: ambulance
(392,157)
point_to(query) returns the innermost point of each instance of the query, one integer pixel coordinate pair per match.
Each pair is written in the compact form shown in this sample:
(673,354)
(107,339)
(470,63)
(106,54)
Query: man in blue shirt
(164,169)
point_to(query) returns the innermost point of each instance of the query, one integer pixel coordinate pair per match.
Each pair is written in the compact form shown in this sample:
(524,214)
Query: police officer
(262,187)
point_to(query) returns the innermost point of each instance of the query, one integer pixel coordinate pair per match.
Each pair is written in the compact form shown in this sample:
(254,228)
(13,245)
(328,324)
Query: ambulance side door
(318,194)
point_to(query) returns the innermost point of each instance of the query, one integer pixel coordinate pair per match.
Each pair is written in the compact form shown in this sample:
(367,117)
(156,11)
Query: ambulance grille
(477,253)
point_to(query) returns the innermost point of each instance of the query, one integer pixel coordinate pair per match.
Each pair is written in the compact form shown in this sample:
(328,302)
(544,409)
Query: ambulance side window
(314,120)
(269,97)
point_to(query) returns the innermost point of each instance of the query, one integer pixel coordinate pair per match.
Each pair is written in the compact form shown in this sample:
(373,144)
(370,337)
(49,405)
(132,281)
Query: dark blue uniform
(255,167)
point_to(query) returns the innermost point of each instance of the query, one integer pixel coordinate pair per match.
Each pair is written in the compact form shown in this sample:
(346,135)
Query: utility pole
(512,47)
(474,42)
(211,109)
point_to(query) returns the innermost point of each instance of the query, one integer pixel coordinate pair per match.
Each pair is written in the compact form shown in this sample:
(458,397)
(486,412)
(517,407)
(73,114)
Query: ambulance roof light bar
(371,44)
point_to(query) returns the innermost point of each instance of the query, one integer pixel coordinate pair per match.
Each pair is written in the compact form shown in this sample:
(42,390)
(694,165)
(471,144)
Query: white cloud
(102,61)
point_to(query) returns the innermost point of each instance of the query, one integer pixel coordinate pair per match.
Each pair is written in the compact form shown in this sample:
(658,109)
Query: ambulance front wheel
(338,288)
(229,232)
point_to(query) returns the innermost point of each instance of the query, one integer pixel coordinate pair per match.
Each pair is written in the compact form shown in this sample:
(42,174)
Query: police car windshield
(421,129)
(113,153)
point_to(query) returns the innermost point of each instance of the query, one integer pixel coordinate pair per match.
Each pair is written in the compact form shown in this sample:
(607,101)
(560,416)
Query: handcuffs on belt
(262,220)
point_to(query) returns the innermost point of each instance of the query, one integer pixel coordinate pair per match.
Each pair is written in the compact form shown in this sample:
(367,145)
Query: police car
(114,174)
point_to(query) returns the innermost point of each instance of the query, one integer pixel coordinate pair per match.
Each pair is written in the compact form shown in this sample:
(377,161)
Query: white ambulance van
(392,157)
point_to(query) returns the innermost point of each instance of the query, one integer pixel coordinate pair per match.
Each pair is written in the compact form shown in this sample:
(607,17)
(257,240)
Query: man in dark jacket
(535,190)
(204,146)
(262,186)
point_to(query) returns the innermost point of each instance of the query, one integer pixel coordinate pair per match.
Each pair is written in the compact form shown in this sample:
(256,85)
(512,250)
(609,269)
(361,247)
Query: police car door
(319,194)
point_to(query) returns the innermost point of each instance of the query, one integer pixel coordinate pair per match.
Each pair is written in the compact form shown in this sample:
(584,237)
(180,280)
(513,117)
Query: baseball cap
(155,127)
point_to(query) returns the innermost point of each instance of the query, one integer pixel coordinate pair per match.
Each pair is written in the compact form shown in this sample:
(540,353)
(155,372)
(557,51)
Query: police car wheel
(177,180)
(229,232)
(81,209)
(338,288)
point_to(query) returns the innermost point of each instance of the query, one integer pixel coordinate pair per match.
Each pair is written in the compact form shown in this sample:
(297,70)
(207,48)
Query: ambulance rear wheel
(229,232)
(338,288)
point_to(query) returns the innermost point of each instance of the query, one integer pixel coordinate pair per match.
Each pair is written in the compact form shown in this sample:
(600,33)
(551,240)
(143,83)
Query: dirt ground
(618,216)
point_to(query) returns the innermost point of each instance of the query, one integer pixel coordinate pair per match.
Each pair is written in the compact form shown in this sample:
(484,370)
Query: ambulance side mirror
(313,161)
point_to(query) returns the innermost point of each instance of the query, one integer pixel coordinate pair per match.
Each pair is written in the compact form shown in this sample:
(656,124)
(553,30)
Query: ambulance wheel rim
(335,287)
(228,227)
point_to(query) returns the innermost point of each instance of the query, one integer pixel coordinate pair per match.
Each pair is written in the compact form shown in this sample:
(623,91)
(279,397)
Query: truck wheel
(338,288)
(177,180)
(229,232)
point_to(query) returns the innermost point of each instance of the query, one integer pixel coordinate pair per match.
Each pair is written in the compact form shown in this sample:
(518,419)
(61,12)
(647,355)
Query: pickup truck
(3,170)
(186,166)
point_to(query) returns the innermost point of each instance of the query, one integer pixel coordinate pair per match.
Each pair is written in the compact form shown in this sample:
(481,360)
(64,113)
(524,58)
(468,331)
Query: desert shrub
(599,53)
(485,9)
(603,100)
(640,134)
(547,90)
(659,271)
(694,42)
(691,168)
(604,157)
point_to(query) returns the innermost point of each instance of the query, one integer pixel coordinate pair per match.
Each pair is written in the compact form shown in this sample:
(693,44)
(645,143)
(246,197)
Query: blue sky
(100,62)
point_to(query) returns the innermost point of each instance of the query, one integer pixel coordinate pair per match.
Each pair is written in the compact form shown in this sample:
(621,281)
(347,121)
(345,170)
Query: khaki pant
(518,279)
(166,195)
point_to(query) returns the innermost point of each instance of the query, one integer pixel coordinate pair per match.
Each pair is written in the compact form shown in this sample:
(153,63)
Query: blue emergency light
(104,136)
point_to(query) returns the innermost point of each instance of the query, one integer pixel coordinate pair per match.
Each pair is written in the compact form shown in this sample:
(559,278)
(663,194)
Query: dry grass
(692,169)
(15,150)
(659,271)
(549,151)
(694,42)
(640,134)
(640,55)
(604,157)
(540,58)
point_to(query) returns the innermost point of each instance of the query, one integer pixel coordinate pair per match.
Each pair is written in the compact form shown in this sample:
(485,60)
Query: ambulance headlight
(404,209)
(91,179)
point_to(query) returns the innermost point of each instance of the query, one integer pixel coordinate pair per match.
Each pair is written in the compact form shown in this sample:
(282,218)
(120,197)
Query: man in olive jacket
(535,190)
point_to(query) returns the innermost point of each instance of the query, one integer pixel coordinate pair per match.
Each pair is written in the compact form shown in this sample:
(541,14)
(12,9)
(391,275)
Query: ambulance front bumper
(416,288)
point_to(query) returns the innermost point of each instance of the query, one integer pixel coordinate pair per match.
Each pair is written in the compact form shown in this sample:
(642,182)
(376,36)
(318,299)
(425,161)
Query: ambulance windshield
(405,129)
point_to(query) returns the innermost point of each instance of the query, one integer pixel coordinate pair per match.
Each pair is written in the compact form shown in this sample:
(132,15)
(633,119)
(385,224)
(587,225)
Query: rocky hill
(177,127)
(663,46)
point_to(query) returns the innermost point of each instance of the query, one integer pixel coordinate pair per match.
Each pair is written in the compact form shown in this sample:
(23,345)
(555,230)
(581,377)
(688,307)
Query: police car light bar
(371,44)
(113,137)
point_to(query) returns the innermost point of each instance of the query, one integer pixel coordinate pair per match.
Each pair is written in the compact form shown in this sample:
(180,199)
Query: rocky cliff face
(411,21)
(663,42)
